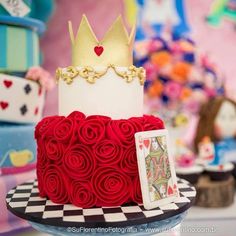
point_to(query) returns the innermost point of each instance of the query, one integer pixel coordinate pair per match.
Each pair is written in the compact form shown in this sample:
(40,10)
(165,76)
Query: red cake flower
(46,126)
(55,184)
(138,123)
(41,154)
(105,119)
(90,161)
(111,186)
(81,194)
(136,193)
(152,123)
(54,150)
(122,131)
(63,131)
(108,152)
(91,131)
(128,162)
(79,162)
(77,116)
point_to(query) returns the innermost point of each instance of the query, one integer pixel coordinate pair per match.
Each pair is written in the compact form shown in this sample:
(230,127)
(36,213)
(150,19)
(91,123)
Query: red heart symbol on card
(40,91)
(98,50)
(146,142)
(7,83)
(36,110)
(170,191)
(140,146)
(3,105)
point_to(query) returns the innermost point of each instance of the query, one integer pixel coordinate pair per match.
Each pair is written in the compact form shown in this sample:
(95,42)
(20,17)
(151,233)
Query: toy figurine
(206,151)
(186,167)
(218,122)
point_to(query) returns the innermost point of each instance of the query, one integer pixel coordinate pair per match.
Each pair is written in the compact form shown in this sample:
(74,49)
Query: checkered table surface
(24,201)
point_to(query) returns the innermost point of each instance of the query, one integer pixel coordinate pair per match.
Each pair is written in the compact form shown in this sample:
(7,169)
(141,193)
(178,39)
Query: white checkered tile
(170,206)
(18,204)
(152,213)
(70,207)
(115,217)
(32,209)
(181,200)
(131,209)
(189,194)
(52,214)
(74,218)
(93,211)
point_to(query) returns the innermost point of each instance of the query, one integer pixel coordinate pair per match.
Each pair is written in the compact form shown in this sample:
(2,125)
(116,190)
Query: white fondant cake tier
(110,95)
(21,100)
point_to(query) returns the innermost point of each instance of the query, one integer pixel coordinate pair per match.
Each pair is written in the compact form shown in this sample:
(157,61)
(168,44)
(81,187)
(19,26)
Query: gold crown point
(71,32)
(132,35)
(117,45)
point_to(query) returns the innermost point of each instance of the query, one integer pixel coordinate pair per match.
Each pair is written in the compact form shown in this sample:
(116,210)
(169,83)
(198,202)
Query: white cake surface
(189,170)
(217,168)
(110,95)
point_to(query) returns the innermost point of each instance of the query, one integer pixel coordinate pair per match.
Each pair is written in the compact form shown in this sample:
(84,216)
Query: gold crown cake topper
(115,48)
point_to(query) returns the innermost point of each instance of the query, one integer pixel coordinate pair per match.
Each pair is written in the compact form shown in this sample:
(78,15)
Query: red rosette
(42,159)
(77,116)
(111,186)
(152,123)
(55,184)
(46,126)
(105,119)
(136,194)
(64,130)
(107,152)
(81,194)
(79,162)
(92,130)
(122,131)
(137,123)
(54,149)
(128,161)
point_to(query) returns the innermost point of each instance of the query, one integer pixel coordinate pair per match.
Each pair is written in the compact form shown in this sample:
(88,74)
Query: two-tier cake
(86,155)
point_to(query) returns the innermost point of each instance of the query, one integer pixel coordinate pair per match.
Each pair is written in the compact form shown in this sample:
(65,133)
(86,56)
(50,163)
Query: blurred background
(216,41)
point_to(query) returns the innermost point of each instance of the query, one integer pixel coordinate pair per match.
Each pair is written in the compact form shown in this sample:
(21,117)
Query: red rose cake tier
(86,155)
(90,160)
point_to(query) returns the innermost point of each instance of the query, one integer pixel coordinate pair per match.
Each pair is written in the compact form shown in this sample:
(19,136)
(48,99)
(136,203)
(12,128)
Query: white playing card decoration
(156,168)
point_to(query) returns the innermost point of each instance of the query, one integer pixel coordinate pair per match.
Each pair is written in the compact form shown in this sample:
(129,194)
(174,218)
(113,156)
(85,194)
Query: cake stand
(130,219)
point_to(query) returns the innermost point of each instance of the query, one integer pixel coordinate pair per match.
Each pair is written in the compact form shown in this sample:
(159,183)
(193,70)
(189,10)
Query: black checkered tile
(24,201)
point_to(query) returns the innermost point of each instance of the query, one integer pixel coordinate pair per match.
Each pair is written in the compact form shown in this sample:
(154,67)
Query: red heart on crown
(3,105)
(98,50)
(7,83)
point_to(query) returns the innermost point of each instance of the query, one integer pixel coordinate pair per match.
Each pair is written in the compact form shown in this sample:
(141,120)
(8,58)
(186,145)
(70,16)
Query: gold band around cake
(91,75)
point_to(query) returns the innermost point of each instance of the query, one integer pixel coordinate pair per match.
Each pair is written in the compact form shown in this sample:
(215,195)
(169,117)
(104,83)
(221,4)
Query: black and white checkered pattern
(24,201)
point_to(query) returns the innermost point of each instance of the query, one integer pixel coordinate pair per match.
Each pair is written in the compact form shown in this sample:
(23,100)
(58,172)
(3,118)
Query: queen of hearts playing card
(156,168)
